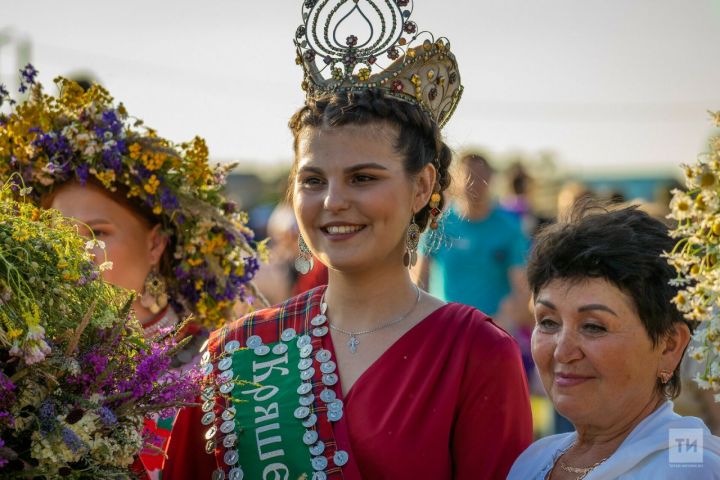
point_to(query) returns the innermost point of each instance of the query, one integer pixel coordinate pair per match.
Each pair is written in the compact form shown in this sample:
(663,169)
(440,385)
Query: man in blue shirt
(483,262)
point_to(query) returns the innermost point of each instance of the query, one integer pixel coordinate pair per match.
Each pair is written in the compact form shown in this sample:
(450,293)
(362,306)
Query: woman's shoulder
(472,325)
(666,445)
(269,323)
(539,457)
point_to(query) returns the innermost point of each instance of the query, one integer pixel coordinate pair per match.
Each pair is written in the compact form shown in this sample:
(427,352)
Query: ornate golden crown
(422,71)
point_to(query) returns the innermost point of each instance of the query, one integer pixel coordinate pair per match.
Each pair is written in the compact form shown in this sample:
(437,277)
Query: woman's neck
(364,300)
(143,315)
(603,441)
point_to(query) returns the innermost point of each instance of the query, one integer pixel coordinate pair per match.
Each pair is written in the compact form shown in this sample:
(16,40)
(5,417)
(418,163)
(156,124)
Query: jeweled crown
(336,57)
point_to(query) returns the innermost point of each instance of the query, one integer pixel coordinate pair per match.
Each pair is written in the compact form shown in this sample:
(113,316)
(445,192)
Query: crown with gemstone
(343,45)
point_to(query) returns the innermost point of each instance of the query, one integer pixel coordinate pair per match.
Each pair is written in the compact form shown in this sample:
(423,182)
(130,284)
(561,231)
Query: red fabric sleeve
(494,421)
(186,453)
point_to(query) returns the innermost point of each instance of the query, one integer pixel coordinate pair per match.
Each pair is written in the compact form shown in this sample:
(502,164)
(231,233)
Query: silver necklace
(354,341)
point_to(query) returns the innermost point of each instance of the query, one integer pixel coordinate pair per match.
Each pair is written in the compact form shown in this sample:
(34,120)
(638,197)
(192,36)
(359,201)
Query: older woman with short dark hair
(608,344)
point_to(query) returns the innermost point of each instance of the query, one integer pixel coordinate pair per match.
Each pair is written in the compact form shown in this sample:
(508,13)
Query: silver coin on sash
(253,342)
(232,346)
(310,437)
(288,334)
(318,448)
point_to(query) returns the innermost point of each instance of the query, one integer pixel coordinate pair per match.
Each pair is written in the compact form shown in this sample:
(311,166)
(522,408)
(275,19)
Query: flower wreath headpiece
(335,56)
(82,134)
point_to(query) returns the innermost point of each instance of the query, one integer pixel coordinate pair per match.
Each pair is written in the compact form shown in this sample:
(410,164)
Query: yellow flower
(152,185)
(14,333)
(107,177)
(154,161)
(213,243)
(134,191)
(135,149)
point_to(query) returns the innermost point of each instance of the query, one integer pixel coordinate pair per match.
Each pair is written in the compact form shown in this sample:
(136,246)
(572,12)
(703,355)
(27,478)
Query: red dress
(448,400)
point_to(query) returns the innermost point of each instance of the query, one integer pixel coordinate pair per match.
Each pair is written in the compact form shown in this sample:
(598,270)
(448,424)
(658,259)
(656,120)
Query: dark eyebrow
(547,304)
(365,166)
(310,170)
(597,306)
(584,308)
(352,169)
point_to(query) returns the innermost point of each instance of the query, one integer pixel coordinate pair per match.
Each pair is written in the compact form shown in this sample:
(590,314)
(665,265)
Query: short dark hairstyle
(624,246)
(419,141)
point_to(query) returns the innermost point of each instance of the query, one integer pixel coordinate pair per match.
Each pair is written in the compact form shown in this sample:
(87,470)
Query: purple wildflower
(3,461)
(251,267)
(46,416)
(181,273)
(83,172)
(168,201)
(112,122)
(58,149)
(27,77)
(112,158)
(107,417)
(73,442)
(151,363)
(7,399)
(144,173)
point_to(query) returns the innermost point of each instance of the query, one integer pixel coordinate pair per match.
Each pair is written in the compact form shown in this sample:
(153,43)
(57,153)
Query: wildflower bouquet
(77,378)
(696,258)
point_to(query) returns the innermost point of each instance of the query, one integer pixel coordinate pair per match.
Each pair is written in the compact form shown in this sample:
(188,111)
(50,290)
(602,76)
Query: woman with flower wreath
(155,207)
(368,377)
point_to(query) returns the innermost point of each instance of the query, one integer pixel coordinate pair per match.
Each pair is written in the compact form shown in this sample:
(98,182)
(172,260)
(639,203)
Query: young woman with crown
(368,377)
(155,207)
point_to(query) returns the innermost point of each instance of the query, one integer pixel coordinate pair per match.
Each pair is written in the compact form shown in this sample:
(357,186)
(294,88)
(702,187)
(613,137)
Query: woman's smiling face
(595,357)
(352,196)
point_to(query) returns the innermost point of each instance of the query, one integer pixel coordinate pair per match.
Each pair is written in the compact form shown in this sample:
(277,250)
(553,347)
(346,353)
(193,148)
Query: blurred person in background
(278,279)
(518,200)
(483,262)
(569,194)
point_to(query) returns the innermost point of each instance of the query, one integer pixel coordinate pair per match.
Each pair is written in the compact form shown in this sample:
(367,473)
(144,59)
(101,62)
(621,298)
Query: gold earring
(412,239)
(665,376)
(154,296)
(304,262)
(435,209)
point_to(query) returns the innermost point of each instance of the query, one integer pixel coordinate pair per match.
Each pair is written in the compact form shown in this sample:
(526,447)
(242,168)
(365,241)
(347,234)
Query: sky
(604,85)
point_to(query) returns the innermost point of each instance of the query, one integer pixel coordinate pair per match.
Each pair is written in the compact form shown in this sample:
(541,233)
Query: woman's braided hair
(419,142)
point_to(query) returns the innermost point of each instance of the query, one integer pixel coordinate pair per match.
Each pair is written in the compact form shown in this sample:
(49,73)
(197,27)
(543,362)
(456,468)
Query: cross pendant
(353,343)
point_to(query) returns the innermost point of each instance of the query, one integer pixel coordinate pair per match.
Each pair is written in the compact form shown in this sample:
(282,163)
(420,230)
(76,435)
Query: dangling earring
(435,209)
(304,262)
(665,376)
(412,239)
(154,296)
